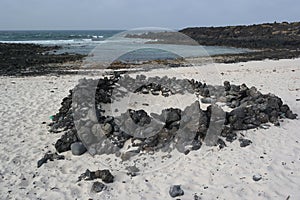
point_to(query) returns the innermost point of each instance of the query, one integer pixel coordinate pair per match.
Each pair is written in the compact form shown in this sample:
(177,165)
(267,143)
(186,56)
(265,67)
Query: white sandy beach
(210,173)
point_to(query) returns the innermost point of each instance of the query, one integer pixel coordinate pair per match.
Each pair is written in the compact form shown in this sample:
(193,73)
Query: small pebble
(244,142)
(257,177)
(175,191)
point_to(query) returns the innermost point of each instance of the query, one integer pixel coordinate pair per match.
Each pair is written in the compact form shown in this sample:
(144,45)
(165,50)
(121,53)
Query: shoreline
(266,41)
(17,62)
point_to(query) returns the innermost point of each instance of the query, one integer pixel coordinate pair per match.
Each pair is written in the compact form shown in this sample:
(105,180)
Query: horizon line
(126,29)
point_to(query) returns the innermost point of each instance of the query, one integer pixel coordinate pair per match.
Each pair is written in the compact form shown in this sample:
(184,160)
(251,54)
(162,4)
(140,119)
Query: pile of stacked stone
(82,117)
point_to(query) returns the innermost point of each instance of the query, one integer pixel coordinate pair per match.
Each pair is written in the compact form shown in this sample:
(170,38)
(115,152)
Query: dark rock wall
(261,36)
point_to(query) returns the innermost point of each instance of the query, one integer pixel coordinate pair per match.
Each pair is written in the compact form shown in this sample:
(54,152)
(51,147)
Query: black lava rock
(196,144)
(104,175)
(98,187)
(290,115)
(257,177)
(175,191)
(34,59)
(227,85)
(228,133)
(221,143)
(64,143)
(140,117)
(171,115)
(51,157)
(244,142)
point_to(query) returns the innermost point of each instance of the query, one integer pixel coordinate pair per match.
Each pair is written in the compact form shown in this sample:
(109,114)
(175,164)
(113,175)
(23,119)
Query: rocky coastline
(258,36)
(33,59)
(270,40)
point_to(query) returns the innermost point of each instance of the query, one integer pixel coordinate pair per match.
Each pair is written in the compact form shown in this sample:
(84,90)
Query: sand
(210,173)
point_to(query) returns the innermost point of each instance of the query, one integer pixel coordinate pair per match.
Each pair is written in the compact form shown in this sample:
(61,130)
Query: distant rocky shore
(269,40)
(273,40)
(261,36)
(33,59)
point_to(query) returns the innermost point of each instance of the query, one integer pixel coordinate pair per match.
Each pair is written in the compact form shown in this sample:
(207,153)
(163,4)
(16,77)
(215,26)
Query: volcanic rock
(64,143)
(98,187)
(107,128)
(51,157)
(132,170)
(290,115)
(170,116)
(175,191)
(34,59)
(185,129)
(105,175)
(78,148)
(244,142)
(221,143)
(257,177)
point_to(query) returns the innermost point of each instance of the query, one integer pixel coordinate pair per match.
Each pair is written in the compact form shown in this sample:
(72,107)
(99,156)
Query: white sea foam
(97,36)
(57,42)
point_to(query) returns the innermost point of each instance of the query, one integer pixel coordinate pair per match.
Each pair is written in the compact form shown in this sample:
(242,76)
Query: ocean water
(80,41)
(111,44)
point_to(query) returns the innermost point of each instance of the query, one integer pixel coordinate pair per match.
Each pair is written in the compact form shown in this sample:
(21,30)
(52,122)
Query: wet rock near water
(33,59)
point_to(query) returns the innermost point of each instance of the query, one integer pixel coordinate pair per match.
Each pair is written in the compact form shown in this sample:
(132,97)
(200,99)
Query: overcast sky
(127,14)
